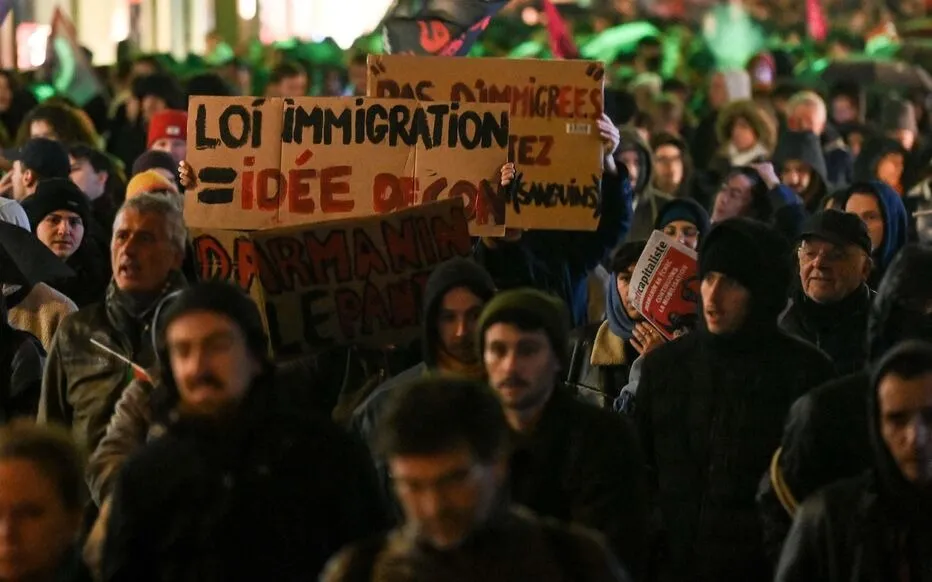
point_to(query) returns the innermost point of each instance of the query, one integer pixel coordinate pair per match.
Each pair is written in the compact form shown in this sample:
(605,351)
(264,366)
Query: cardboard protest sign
(355,281)
(554,107)
(665,285)
(264,163)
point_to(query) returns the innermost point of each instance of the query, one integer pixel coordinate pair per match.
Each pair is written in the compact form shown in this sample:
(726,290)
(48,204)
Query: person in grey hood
(454,297)
(801,165)
(648,200)
(877,526)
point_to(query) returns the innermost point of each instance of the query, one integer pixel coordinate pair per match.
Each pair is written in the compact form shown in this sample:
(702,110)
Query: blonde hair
(807,98)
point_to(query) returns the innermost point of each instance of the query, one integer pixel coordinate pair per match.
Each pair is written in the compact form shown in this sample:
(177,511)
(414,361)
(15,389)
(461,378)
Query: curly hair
(69,124)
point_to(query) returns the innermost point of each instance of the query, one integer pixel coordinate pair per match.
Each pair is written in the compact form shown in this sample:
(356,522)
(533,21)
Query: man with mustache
(453,299)
(243,485)
(447,441)
(572,461)
(82,383)
(59,213)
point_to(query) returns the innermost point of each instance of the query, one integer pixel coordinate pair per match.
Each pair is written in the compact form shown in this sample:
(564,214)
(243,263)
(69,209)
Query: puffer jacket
(825,438)
(82,383)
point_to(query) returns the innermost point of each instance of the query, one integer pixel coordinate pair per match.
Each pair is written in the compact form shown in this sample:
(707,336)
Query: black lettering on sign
(430,127)
(210,176)
(235,127)
(551,195)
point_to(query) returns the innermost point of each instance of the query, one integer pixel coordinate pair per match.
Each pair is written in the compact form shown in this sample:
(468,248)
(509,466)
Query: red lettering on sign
(285,255)
(389,192)
(299,191)
(212,258)
(366,255)
(330,187)
(401,245)
(265,199)
(331,253)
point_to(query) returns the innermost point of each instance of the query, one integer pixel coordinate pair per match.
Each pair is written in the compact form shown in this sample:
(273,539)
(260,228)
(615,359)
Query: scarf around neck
(618,320)
(747,157)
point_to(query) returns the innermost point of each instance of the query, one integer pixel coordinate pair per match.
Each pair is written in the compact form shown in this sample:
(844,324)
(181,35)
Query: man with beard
(830,307)
(571,461)
(709,406)
(454,296)
(82,383)
(877,526)
(243,486)
(826,437)
(447,441)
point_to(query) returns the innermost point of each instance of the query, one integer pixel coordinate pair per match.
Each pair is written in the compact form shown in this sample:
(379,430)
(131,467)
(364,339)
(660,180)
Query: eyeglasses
(809,254)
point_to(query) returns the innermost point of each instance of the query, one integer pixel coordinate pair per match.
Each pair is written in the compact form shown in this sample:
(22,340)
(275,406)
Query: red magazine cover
(665,285)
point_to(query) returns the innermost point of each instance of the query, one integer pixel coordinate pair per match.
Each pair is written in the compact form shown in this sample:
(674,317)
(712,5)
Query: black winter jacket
(839,330)
(584,465)
(269,497)
(710,418)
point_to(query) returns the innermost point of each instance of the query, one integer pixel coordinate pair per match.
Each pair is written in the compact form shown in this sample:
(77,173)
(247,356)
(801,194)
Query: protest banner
(354,281)
(554,107)
(264,163)
(665,285)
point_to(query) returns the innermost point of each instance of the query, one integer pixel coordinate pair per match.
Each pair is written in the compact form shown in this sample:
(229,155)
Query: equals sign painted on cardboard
(216,176)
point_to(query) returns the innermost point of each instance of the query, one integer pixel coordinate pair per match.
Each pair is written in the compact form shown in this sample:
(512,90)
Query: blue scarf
(618,320)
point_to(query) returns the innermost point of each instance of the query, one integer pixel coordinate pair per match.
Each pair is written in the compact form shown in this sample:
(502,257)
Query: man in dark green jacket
(82,382)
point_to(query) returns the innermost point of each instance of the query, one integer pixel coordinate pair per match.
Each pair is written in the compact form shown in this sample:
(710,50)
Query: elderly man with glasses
(830,306)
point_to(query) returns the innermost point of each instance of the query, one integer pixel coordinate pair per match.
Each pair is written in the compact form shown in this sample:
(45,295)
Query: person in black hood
(826,437)
(884,213)
(60,215)
(878,526)
(241,486)
(684,220)
(799,161)
(883,159)
(709,406)
(829,308)
(454,296)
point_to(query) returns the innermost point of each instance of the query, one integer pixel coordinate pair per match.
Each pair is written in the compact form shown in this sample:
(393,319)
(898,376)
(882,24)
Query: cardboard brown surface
(322,159)
(554,106)
(354,281)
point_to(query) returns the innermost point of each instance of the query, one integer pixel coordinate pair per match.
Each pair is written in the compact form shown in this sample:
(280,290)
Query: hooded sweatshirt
(865,167)
(875,527)
(804,146)
(454,273)
(895,226)
(647,199)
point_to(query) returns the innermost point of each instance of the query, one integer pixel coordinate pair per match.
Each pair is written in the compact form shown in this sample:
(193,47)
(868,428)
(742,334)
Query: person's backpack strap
(362,560)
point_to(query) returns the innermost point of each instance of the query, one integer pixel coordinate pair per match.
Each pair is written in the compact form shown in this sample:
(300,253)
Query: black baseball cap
(46,157)
(837,227)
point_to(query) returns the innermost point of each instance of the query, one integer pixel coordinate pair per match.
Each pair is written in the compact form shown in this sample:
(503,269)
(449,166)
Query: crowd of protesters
(540,428)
